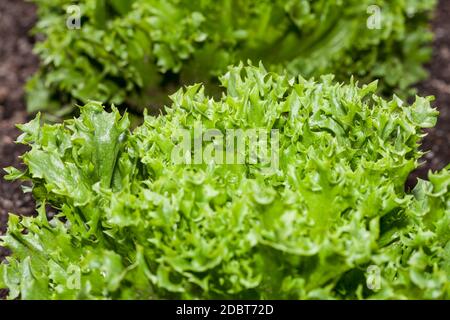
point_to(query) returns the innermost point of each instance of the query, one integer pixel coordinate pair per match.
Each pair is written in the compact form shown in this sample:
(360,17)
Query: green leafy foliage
(127,51)
(134,224)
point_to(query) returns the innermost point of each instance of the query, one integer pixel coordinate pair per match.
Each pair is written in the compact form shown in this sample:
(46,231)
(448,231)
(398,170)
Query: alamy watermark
(373,278)
(73,277)
(73,20)
(233,146)
(374,20)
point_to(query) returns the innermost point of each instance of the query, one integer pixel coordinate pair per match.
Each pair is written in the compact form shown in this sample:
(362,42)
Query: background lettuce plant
(132,224)
(135,51)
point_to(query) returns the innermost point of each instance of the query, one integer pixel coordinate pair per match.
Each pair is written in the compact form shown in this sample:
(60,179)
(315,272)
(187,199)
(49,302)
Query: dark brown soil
(17,63)
(438,140)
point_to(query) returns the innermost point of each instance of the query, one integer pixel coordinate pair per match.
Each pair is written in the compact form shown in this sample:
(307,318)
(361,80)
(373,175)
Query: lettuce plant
(331,221)
(130,51)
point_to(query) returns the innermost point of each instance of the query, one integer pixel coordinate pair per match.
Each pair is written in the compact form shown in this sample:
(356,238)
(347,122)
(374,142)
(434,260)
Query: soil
(17,63)
(437,142)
